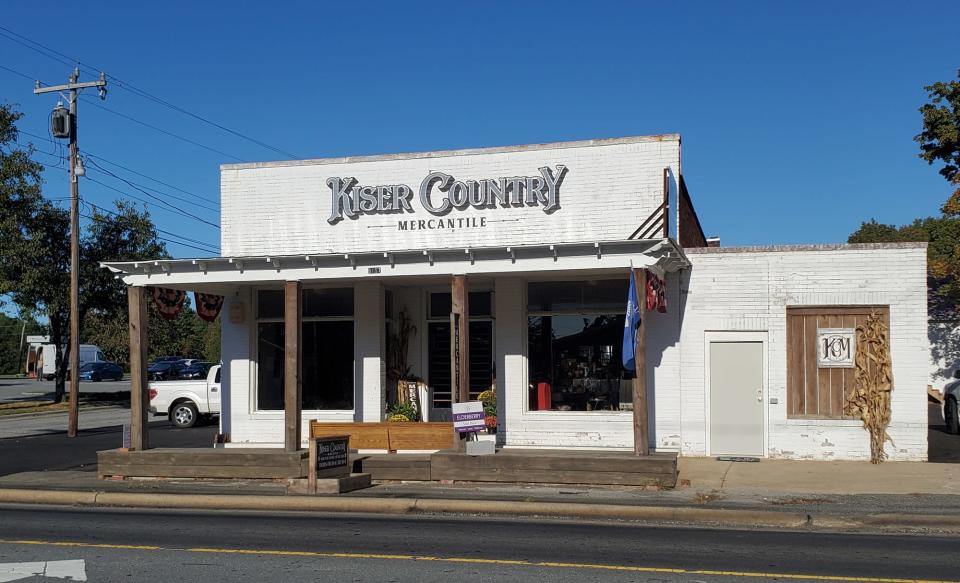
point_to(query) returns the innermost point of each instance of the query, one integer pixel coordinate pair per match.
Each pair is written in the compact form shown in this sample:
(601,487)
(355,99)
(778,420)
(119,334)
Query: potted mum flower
(489,400)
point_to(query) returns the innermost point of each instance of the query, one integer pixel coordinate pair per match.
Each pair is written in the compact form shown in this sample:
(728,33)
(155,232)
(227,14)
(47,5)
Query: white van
(91,353)
(47,353)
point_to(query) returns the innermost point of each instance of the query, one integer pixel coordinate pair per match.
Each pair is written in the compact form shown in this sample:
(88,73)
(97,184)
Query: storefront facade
(527,252)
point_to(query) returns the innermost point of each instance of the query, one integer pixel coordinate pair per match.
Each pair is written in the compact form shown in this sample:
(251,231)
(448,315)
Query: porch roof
(217,274)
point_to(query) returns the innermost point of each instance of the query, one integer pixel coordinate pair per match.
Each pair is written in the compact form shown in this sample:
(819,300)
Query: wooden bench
(390,436)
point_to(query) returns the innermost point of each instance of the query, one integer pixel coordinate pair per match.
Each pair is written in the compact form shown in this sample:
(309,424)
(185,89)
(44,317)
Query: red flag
(208,305)
(168,302)
(656,294)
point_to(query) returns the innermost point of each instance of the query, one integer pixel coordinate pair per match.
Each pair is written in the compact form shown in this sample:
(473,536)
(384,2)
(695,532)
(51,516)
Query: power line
(160,238)
(157,180)
(132,171)
(165,103)
(95,208)
(93,162)
(39,48)
(160,200)
(171,209)
(134,185)
(212,247)
(66,59)
(162,131)
(130,118)
(15,72)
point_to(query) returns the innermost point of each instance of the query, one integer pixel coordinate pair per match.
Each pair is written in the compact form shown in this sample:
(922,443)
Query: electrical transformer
(60,122)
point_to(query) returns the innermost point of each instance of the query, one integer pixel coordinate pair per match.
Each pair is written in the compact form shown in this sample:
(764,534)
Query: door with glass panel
(438,350)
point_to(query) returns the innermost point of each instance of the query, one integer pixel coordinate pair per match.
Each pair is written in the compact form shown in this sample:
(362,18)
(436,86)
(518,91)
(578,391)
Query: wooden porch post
(641,441)
(292,319)
(139,344)
(459,340)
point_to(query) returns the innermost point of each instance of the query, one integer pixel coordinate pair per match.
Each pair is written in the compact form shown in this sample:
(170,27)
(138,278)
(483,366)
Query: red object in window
(543,397)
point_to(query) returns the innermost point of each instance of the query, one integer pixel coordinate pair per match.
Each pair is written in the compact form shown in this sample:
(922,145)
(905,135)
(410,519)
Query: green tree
(34,248)
(873,232)
(940,139)
(942,235)
(211,341)
(12,350)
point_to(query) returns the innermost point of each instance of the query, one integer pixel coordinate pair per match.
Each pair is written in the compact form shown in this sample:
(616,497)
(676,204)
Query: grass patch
(31,407)
(86,400)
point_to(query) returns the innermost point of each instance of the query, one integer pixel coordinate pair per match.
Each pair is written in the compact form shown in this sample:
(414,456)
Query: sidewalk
(894,496)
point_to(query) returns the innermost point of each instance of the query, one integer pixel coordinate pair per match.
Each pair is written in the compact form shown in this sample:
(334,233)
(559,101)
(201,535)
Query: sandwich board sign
(468,417)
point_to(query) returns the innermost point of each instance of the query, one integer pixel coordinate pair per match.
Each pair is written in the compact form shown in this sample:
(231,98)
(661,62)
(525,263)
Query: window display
(574,348)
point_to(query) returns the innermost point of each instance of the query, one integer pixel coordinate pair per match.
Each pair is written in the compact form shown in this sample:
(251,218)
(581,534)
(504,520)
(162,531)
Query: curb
(661,514)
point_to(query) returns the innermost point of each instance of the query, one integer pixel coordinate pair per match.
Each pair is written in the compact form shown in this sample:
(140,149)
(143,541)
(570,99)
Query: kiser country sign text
(441,193)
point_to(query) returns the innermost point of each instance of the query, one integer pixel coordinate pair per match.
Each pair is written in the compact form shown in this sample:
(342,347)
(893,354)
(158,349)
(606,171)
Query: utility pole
(23,329)
(73,87)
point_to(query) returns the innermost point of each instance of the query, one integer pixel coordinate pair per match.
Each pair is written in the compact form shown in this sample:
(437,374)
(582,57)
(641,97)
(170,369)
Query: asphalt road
(217,547)
(53,450)
(30,389)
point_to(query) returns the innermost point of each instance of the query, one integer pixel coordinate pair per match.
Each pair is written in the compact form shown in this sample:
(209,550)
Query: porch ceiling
(219,274)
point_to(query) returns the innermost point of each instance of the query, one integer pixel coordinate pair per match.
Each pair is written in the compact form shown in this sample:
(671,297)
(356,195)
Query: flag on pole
(630,324)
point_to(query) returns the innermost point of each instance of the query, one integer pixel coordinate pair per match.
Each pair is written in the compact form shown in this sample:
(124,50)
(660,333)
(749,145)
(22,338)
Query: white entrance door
(736,398)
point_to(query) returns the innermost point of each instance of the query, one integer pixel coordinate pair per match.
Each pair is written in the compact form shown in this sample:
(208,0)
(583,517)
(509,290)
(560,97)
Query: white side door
(736,398)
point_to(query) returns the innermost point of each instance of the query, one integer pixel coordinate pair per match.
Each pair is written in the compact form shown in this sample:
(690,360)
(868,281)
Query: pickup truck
(951,397)
(186,401)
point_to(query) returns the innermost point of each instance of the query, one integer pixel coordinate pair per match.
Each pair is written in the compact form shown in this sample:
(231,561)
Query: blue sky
(797,118)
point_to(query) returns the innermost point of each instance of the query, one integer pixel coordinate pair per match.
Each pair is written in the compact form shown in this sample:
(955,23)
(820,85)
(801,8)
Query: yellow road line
(477,561)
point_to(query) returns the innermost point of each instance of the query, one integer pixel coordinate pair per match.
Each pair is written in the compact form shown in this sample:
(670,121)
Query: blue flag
(630,324)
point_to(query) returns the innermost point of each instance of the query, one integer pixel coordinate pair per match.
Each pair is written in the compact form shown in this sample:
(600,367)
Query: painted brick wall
(749,290)
(282,208)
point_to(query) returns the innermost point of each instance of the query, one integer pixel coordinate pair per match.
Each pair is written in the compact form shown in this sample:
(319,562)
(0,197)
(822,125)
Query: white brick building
(544,237)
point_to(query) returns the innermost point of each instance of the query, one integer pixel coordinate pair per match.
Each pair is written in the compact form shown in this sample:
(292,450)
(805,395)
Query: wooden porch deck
(525,466)
(218,462)
(507,465)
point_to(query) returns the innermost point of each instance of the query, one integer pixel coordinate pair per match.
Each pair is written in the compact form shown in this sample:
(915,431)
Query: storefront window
(574,347)
(327,343)
(480,347)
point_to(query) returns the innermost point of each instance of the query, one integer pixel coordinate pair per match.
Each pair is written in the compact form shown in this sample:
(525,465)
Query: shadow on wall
(944,351)
(658,342)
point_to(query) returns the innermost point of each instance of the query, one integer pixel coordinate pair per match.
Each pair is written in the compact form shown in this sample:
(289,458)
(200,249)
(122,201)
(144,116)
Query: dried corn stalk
(873,381)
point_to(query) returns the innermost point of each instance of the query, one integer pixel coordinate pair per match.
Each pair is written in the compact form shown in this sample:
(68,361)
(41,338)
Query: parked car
(190,361)
(951,396)
(184,402)
(196,370)
(100,371)
(163,371)
(89,353)
(165,359)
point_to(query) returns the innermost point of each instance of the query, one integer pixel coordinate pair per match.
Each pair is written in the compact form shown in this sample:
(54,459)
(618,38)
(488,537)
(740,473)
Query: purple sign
(469,417)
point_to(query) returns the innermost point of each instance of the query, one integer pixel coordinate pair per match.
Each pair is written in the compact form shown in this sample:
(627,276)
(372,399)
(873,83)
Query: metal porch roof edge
(669,256)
